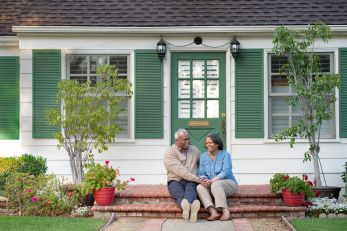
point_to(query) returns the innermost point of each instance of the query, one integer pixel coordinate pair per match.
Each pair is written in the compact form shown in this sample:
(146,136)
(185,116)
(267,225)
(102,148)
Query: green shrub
(35,165)
(9,164)
(27,163)
(41,195)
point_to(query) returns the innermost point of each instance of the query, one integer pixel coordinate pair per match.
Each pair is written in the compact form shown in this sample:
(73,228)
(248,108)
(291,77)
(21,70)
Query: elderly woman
(216,168)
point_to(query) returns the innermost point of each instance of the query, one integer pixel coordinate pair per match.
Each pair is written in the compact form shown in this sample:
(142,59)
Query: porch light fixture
(235,48)
(161,49)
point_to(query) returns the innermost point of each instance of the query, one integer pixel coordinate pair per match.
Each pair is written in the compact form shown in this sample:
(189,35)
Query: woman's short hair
(217,140)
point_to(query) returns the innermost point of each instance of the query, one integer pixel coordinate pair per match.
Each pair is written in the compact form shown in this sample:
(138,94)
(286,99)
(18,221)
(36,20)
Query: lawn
(15,223)
(323,224)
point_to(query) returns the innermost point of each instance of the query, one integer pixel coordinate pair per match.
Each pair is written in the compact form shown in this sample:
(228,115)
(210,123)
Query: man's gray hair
(179,131)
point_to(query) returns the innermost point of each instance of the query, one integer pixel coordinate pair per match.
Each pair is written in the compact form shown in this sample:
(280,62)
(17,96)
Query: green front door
(198,95)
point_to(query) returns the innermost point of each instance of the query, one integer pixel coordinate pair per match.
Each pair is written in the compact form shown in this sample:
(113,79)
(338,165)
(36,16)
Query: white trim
(230,63)
(161,30)
(266,93)
(9,41)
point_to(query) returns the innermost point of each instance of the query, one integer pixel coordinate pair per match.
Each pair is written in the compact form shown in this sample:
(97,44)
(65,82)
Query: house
(198,85)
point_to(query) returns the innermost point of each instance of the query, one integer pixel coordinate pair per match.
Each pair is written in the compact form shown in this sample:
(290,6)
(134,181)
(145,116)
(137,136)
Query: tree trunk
(317,181)
(76,167)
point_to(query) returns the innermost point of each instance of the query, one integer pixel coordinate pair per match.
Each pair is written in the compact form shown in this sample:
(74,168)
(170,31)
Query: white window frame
(130,66)
(267,88)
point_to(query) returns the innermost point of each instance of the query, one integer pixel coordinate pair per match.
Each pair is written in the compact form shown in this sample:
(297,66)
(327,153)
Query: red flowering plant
(295,184)
(102,176)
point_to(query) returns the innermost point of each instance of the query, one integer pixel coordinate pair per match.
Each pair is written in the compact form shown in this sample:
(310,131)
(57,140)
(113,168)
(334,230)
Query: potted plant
(294,189)
(314,91)
(101,180)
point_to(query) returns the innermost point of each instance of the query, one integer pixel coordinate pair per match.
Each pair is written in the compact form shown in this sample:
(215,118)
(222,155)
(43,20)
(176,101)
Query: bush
(9,164)
(27,163)
(34,165)
(41,195)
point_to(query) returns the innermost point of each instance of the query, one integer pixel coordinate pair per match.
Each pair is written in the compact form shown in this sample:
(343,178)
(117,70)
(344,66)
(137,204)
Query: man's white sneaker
(194,211)
(186,209)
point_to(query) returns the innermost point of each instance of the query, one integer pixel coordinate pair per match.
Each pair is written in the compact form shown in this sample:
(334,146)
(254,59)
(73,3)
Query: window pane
(96,61)
(198,69)
(212,68)
(198,88)
(123,122)
(212,108)
(183,69)
(324,62)
(198,109)
(212,89)
(279,84)
(122,64)
(276,63)
(278,124)
(80,79)
(183,89)
(296,109)
(279,105)
(183,109)
(328,129)
(78,64)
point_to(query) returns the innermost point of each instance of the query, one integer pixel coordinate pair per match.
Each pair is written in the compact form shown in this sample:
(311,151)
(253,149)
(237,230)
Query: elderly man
(181,162)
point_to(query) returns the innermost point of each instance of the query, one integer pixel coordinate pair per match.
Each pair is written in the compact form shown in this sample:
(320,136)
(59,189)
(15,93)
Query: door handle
(222,115)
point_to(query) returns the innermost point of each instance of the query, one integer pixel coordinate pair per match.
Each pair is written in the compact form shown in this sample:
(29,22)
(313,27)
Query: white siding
(254,160)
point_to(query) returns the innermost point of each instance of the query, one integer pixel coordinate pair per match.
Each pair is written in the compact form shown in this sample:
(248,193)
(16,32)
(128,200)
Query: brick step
(155,194)
(172,210)
(230,201)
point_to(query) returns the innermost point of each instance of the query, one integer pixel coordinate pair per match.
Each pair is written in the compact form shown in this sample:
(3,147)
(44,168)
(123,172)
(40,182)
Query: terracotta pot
(292,199)
(104,196)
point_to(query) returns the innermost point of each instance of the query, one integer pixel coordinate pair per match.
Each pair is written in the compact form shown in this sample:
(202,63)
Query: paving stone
(200,225)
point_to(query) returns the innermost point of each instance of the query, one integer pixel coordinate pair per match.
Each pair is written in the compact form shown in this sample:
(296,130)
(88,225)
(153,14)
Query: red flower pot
(104,196)
(292,199)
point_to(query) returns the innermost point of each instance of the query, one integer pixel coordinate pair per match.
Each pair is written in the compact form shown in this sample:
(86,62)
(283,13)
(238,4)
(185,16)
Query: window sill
(272,141)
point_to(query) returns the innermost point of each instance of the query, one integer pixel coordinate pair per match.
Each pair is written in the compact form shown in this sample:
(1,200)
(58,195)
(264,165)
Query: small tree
(315,91)
(89,115)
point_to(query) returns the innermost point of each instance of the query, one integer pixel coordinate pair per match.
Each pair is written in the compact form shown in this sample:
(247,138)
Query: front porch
(250,201)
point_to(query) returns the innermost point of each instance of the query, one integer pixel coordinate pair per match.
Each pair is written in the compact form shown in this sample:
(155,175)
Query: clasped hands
(206,182)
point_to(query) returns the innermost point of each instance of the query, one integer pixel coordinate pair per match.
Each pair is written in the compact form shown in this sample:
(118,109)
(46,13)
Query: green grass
(323,224)
(16,223)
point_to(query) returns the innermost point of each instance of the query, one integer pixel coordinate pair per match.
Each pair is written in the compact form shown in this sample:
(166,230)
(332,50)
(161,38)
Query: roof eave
(160,30)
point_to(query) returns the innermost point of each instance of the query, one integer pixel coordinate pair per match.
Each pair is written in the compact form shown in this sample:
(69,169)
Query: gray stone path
(200,225)
(142,224)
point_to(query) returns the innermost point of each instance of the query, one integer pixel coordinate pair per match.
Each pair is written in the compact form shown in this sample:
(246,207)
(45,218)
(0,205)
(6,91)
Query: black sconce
(161,49)
(235,48)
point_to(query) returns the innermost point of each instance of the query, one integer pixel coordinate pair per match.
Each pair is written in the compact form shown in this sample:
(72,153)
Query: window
(281,115)
(83,68)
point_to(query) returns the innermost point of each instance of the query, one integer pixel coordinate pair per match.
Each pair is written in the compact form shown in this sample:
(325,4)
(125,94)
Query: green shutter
(46,74)
(343,92)
(9,97)
(148,95)
(249,94)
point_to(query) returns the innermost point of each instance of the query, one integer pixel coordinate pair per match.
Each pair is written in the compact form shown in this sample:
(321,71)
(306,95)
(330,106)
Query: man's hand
(206,183)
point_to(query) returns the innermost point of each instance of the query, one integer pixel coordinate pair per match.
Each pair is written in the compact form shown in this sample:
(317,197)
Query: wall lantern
(235,48)
(161,49)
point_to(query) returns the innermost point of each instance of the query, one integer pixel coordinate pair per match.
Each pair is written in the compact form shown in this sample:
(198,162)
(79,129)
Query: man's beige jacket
(180,165)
